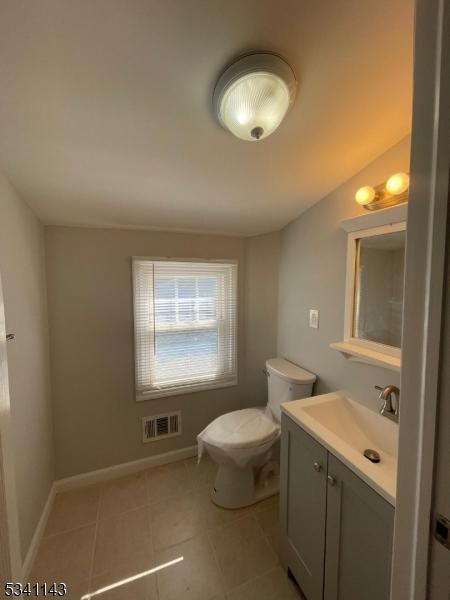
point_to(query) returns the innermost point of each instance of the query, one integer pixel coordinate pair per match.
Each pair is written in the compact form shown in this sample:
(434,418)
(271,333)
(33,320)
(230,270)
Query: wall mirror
(378,290)
(374,291)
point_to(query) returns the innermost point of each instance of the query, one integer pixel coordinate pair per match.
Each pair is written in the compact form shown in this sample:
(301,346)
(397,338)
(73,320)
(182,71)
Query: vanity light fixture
(394,191)
(253,95)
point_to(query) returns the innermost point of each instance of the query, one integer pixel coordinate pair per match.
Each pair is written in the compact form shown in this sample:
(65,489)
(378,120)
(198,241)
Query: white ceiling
(105,107)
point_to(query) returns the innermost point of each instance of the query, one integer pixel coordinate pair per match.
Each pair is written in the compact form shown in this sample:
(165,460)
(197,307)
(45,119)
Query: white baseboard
(38,535)
(124,469)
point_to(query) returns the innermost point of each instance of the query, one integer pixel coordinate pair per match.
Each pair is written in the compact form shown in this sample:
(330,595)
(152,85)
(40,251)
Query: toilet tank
(286,381)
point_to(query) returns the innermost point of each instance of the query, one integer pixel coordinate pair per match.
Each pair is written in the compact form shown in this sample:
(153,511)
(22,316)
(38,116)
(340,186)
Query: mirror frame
(350,288)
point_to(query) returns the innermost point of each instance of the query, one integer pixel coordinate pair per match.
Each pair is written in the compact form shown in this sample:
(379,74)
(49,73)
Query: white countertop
(346,428)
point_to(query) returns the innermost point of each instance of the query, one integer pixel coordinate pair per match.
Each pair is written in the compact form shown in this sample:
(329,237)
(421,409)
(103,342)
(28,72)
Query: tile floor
(103,535)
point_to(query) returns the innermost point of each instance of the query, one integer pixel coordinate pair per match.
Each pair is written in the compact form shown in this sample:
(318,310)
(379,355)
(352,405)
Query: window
(185,317)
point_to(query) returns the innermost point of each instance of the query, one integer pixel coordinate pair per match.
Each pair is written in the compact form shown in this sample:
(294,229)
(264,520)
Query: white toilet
(244,442)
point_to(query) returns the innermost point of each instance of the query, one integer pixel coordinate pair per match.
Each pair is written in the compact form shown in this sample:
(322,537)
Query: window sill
(183,391)
(357,353)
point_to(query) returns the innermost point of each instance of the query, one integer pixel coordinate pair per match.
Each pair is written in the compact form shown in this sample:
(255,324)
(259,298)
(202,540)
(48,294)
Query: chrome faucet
(388,410)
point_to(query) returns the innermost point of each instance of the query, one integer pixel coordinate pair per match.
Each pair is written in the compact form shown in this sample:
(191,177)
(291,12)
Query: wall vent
(158,427)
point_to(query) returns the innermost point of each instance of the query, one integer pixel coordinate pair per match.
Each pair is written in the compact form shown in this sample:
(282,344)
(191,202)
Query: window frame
(203,383)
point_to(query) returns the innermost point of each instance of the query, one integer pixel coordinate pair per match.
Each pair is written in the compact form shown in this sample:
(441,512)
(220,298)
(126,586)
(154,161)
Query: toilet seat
(240,429)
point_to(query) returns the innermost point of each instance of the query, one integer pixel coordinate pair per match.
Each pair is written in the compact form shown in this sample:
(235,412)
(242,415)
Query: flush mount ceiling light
(253,95)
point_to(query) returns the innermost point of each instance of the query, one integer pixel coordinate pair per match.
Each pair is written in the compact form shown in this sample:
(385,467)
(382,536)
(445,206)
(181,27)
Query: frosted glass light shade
(253,96)
(254,106)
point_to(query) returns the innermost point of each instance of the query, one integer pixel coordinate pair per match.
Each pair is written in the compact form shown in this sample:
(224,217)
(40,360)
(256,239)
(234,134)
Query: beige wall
(312,275)
(97,420)
(262,255)
(22,268)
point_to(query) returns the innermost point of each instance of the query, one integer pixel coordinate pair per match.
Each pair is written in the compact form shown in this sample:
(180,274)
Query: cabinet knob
(331,480)
(317,467)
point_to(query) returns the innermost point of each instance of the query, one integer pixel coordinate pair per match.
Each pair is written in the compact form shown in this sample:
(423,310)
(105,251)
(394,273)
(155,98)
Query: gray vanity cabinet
(303,506)
(360,525)
(336,531)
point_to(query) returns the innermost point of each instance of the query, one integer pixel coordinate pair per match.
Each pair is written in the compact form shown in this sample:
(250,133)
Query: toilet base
(237,488)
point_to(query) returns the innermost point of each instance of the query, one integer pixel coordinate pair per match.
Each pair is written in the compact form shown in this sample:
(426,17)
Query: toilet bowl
(244,443)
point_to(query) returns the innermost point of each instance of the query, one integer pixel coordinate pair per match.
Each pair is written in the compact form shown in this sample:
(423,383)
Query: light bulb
(397,184)
(365,195)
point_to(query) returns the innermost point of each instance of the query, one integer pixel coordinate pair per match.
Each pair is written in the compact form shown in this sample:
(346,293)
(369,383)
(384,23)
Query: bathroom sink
(347,428)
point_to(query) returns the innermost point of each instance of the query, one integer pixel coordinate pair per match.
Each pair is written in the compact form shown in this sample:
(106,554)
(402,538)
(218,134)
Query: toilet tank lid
(289,371)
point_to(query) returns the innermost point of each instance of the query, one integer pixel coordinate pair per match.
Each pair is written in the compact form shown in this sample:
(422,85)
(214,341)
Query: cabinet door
(359,538)
(303,507)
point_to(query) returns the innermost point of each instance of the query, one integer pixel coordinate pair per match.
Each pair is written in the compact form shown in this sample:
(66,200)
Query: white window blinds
(185,318)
